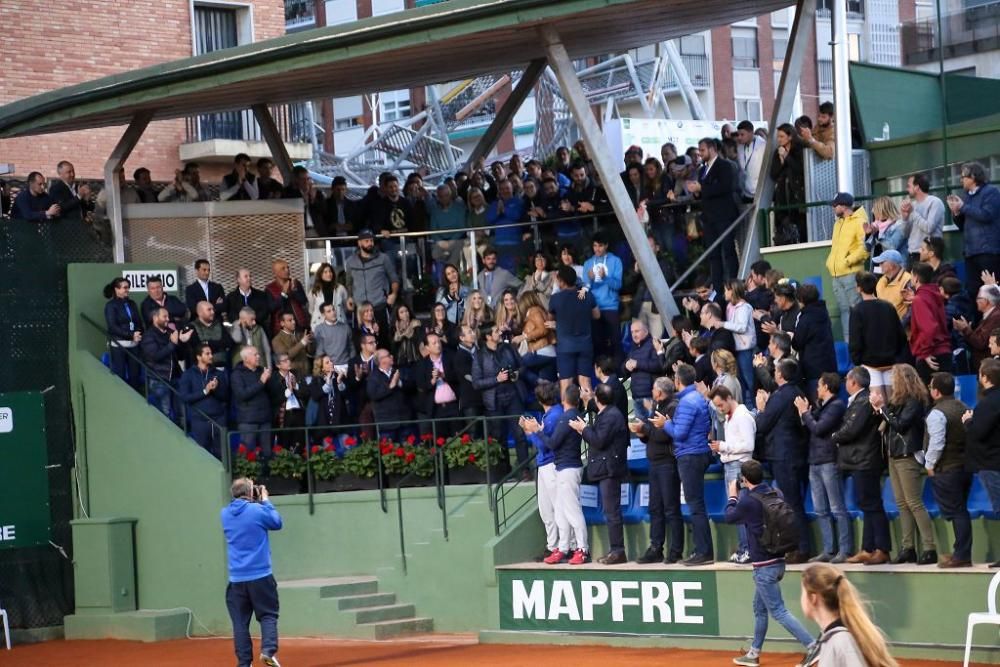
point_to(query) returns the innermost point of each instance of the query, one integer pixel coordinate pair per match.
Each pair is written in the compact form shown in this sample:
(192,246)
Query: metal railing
(292,121)
(972,30)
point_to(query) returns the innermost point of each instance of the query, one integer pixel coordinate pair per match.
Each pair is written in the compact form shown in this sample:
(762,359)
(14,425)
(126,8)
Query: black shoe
(928,558)
(995,565)
(796,558)
(698,559)
(652,555)
(673,558)
(907,556)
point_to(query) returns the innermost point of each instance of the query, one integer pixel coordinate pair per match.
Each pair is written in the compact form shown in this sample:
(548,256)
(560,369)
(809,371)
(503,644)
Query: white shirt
(751,159)
(741,435)
(204,288)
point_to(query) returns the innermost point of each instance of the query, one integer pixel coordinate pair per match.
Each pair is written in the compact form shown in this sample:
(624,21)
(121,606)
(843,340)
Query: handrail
(501,492)
(223,446)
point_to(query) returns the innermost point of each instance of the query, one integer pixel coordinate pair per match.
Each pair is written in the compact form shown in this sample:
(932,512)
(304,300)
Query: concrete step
(143,625)
(392,612)
(365,601)
(334,587)
(389,629)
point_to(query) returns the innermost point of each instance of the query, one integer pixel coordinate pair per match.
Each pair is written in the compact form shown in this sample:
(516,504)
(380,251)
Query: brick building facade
(50,45)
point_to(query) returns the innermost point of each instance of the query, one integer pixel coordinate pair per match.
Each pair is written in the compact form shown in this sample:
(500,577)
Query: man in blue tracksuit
(547,394)
(602,277)
(689,429)
(745,507)
(252,589)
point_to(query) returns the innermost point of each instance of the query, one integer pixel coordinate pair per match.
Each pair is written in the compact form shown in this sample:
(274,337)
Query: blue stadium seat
(106,359)
(889,501)
(960,270)
(590,500)
(979,501)
(968,389)
(637,461)
(716,498)
(808,505)
(930,502)
(843,357)
(815,280)
(850,502)
(637,510)
(714,468)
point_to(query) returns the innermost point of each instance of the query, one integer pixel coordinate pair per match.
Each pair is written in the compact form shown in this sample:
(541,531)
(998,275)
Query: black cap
(843,199)
(365,234)
(339,180)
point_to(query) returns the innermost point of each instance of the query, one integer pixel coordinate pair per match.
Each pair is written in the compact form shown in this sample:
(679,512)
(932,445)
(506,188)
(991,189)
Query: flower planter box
(325,485)
(349,482)
(282,486)
(467,474)
(411,482)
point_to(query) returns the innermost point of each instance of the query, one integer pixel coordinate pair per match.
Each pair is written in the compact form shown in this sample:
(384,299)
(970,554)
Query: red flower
(491,440)
(466,438)
(252,456)
(278,449)
(385,448)
(242,449)
(349,441)
(411,439)
(327,440)
(472,458)
(315,449)
(425,437)
(434,450)
(329,448)
(410,457)
(400,452)
(440,442)
(383,441)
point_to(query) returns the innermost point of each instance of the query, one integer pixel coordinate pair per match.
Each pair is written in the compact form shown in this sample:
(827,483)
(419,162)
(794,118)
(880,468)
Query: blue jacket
(979,218)
(192,391)
(748,511)
(549,422)
(253,405)
(780,426)
(245,525)
(565,443)
(691,423)
(513,211)
(821,422)
(123,318)
(649,366)
(606,290)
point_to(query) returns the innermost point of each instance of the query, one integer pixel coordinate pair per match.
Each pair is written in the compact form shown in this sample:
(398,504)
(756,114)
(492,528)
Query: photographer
(494,372)
(749,507)
(252,588)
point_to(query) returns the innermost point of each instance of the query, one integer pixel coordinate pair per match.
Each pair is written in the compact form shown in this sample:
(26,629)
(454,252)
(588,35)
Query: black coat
(859,443)
(982,446)
(421,373)
(250,396)
(257,300)
(877,336)
(159,353)
(659,445)
(388,403)
(719,189)
(122,321)
(179,314)
(352,213)
(608,438)
(813,341)
(71,206)
(194,294)
(469,398)
(821,422)
(905,427)
(649,366)
(780,426)
(485,369)
(331,410)
(317,209)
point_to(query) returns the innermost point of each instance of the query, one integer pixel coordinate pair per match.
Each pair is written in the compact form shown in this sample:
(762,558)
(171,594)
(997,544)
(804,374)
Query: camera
(511,372)
(255,493)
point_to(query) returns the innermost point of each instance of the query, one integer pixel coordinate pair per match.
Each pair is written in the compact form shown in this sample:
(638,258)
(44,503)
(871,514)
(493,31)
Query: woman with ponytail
(849,637)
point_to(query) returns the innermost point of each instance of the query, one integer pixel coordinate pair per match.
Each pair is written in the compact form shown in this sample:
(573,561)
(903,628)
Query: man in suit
(437,386)
(470,399)
(717,187)
(360,368)
(203,289)
(247,296)
(385,389)
(608,439)
(786,448)
(495,280)
(73,198)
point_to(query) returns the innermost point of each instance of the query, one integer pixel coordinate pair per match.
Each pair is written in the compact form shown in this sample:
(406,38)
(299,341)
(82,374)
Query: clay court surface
(436,651)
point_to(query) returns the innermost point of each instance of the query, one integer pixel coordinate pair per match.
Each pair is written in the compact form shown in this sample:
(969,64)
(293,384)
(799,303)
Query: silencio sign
(139,277)
(661,602)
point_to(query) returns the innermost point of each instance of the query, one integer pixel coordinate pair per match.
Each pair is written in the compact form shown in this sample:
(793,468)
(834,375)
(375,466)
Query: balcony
(299,15)
(218,137)
(974,30)
(699,70)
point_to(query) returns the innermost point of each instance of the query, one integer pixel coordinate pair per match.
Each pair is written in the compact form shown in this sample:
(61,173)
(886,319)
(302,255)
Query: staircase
(346,607)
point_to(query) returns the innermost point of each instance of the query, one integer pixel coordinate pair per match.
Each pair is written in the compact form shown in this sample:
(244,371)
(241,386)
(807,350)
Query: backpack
(781,531)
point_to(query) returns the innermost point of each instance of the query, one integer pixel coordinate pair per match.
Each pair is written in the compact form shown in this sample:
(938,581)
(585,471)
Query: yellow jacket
(848,252)
(892,291)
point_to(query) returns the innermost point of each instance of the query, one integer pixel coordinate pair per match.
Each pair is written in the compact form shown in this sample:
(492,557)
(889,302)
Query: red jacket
(928,324)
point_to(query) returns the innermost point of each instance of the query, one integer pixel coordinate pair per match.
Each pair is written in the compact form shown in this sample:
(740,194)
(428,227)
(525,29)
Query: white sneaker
(743,558)
(270,660)
(734,557)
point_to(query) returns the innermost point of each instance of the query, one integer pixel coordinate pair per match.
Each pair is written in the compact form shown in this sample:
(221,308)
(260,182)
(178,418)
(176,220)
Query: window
(779,19)
(383,7)
(692,45)
(299,14)
(748,109)
(854,46)
(217,26)
(856,7)
(348,112)
(825,71)
(744,48)
(395,105)
(341,11)
(780,47)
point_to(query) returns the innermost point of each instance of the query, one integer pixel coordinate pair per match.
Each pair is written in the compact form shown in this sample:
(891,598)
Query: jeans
(791,477)
(868,487)
(256,435)
(665,507)
(744,361)
(767,600)
(846,296)
(535,367)
(260,598)
(827,491)
(692,469)
(611,503)
(639,406)
(161,397)
(990,479)
(731,472)
(907,481)
(951,489)
(126,366)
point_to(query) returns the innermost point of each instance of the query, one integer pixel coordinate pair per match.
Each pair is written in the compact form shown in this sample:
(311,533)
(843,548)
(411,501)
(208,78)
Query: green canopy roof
(442,42)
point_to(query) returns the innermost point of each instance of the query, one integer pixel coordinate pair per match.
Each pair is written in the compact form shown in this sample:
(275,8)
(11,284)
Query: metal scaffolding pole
(114,187)
(798,43)
(684,81)
(505,114)
(842,98)
(561,64)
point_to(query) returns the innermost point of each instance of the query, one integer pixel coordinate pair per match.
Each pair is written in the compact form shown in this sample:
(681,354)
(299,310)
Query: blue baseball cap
(889,256)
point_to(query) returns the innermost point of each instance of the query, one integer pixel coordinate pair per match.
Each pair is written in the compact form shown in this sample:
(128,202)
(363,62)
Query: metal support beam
(606,166)
(634,75)
(274,141)
(684,81)
(795,56)
(113,186)
(842,99)
(505,114)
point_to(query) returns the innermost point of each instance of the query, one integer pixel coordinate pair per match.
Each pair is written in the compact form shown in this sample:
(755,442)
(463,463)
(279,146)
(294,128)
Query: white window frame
(244,20)
(738,32)
(395,97)
(401,4)
(742,114)
(350,17)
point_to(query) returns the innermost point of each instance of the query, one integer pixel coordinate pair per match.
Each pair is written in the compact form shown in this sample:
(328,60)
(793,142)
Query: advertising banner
(24,478)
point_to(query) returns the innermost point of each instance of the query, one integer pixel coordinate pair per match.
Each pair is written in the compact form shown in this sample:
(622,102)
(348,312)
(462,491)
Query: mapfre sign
(616,601)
